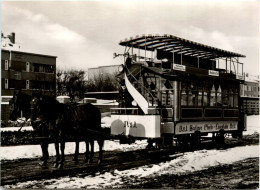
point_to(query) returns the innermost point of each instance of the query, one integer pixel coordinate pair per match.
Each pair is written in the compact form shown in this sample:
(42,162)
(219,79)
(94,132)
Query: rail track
(22,170)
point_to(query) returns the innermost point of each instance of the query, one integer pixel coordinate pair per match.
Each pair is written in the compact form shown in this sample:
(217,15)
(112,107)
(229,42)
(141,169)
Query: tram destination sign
(179,67)
(213,73)
(240,77)
(207,127)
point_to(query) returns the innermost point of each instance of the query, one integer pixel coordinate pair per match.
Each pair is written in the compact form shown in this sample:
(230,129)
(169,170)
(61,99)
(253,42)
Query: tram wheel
(183,140)
(237,134)
(195,139)
(220,138)
(167,139)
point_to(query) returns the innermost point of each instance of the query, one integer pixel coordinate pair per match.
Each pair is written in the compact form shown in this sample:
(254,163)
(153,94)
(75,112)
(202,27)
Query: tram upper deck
(171,53)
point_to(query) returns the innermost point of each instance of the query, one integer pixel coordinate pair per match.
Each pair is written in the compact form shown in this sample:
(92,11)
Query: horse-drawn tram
(173,88)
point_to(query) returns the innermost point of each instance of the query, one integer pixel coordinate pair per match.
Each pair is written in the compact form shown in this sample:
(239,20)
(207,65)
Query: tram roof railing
(172,43)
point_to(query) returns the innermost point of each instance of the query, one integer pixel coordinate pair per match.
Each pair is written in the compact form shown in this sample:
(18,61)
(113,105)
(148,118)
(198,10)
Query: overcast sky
(84,34)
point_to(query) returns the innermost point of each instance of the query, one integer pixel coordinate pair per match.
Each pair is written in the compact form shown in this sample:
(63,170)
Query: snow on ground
(188,162)
(32,151)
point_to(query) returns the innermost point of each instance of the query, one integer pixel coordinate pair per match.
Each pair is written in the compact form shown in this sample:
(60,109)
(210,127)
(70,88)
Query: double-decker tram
(176,89)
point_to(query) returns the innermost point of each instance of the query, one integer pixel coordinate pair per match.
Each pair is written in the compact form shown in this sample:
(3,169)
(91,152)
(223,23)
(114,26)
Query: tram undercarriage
(181,92)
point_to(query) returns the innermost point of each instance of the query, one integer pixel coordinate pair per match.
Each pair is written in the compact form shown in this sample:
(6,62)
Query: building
(102,70)
(250,93)
(24,71)
(27,72)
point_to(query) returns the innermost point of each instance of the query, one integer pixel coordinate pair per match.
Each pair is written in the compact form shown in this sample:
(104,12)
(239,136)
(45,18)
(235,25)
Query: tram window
(206,94)
(184,98)
(191,98)
(219,96)
(193,94)
(225,98)
(231,100)
(199,94)
(199,98)
(168,93)
(213,96)
(236,98)
(205,98)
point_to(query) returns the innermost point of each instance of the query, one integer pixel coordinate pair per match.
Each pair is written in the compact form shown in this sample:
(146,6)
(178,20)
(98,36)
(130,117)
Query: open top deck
(171,50)
(170,43)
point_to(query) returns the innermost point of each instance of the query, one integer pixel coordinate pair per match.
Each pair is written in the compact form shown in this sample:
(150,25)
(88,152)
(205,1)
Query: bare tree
(73,83)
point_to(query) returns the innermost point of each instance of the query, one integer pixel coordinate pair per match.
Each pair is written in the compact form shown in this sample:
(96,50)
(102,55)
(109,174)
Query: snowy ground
(187,162)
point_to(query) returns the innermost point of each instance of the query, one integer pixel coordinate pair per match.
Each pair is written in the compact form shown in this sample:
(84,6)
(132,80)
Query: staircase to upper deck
(143,96)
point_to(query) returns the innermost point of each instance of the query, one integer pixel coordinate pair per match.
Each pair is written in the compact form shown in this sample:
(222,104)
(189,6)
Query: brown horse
(70,123)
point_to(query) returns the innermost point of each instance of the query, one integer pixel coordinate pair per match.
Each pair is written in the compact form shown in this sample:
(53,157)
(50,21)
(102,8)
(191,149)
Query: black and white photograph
(127,94)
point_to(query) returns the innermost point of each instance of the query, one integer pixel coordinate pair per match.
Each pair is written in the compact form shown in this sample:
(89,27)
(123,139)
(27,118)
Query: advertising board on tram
(209,126)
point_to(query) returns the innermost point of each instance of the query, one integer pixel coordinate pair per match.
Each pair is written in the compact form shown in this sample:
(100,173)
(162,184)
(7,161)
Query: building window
(6,64)
(27,84)
(18,75)
(27,67)
(6,83)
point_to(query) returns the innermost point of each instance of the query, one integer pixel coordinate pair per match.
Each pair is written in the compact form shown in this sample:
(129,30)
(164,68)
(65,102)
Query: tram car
(173,88)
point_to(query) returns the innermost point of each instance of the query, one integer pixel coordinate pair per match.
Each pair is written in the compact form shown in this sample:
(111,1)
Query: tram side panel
(217,109)
(140,126)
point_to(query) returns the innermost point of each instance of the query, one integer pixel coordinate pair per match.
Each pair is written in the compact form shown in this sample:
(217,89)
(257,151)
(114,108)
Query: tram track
(22,170)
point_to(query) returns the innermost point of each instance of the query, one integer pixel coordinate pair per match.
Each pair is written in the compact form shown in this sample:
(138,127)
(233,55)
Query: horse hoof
(43,164)
(55,165)
(61,166)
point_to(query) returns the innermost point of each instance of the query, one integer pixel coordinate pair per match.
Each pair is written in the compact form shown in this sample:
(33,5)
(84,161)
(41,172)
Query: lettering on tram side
(130,124)
(188,127)
(195,128)
(183,128)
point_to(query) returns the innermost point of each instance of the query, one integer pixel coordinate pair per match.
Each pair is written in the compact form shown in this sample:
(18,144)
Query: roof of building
(15,51)
(179,45)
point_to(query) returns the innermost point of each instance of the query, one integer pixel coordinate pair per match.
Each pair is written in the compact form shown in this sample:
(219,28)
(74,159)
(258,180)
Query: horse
(78,122)
(21,103)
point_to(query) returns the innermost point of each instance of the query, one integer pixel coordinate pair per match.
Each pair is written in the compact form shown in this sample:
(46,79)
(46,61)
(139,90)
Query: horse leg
(45,153)
(62,148)
(100,143)
(76,152)
(57,154)
(87,152)
(92,150)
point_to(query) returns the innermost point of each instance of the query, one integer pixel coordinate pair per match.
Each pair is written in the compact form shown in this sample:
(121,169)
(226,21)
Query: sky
(85,34)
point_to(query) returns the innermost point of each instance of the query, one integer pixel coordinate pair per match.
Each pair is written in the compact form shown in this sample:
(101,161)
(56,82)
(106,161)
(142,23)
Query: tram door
(167,100)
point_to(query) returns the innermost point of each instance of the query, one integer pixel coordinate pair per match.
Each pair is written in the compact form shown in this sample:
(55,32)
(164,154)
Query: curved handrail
(140,100)
(147,90)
